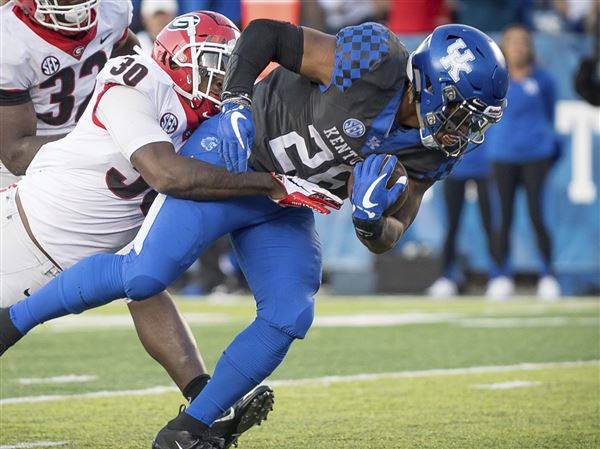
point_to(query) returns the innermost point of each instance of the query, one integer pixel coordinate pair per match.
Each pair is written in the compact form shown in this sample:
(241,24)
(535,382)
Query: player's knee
(296,317)
(303,321)
(142,287)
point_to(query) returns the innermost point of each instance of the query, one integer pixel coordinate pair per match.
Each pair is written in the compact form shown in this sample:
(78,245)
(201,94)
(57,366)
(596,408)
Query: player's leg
(281,259)
(24,268)
(168,339)
(173,234)
(282,263)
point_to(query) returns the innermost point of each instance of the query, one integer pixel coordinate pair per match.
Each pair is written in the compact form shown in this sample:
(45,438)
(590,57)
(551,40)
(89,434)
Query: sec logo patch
(168,122)
(50,65)
(354,128)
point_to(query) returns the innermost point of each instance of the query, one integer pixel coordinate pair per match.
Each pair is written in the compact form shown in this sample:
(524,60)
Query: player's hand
(370,196)
(236,133)
(302,193)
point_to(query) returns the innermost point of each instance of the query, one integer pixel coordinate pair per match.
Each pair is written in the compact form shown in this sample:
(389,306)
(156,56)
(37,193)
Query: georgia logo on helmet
(460,82)
(194,50)
(53,14)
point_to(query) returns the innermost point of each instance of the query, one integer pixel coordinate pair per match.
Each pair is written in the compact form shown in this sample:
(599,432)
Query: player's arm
(394,227)
(302,50)
(125,45)
(140,138)
(18,126)
(299,49)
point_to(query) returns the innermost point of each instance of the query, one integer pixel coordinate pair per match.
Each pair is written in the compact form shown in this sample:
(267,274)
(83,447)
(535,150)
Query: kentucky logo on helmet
(354,128)
(168,122)
(456,61)
(183,22)
(50,65)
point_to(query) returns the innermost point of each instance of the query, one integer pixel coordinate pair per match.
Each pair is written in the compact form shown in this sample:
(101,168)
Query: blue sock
(93,282)
(249,359)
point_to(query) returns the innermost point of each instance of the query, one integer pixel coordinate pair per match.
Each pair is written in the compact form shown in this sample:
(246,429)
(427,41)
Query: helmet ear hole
(172,64)
(428,85)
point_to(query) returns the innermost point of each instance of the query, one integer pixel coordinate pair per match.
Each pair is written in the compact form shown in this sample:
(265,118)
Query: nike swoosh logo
(235,118)
(102,39)
(366,202)
(369,213)
(26,292)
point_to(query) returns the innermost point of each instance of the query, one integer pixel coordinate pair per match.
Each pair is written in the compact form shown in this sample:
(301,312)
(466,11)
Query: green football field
(373,373)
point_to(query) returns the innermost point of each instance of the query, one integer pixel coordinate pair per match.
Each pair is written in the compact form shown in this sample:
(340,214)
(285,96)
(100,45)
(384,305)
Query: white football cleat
(442,288)
(500,288)
(548,289)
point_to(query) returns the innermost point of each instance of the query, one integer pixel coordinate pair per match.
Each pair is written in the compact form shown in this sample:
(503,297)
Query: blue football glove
(370,196)
(236,133)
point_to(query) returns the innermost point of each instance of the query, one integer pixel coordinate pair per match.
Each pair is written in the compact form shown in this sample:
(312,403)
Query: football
(399,171)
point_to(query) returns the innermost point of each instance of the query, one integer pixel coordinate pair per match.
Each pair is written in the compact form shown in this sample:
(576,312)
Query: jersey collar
(72,47)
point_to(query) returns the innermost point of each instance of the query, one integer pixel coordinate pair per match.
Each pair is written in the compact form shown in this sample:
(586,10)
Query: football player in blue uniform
(338,105)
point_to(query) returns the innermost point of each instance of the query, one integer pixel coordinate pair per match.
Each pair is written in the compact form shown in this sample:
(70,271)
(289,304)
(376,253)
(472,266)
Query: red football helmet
(194,50)
(53,14)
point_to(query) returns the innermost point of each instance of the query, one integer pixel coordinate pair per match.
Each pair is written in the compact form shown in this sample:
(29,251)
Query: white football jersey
(81,194)
(58,72)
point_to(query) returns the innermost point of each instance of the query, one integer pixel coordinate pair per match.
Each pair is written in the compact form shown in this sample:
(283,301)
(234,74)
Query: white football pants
(23,267)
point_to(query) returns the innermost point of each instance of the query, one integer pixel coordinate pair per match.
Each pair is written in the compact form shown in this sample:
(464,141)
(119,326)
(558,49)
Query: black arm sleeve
(262,42)
(14,97)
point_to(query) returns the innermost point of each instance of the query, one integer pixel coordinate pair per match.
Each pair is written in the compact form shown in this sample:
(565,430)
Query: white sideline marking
(317,380)
(69,378)
(93,321)
(383,319)
(507,385)
(431,373)
(91,395)
(528,322)
(38,444)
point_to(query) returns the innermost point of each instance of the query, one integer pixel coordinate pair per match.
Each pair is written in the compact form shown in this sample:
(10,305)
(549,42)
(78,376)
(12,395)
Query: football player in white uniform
(96,184)
(52,51)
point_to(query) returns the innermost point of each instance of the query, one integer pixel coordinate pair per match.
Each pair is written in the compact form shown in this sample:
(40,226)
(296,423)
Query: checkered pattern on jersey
(358,50)
(443,170)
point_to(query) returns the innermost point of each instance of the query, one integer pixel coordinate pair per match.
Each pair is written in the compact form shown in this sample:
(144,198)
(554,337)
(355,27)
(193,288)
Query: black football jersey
(319,132)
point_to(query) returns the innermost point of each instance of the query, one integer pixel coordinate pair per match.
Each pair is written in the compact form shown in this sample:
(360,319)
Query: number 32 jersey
(320,132)
(56,72)
(81,193)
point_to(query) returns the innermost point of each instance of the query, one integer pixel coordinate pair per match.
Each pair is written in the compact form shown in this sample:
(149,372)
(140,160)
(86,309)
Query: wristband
(241,99)
(369,229)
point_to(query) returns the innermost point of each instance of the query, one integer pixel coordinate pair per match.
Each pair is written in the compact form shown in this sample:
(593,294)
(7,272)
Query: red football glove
(302,193)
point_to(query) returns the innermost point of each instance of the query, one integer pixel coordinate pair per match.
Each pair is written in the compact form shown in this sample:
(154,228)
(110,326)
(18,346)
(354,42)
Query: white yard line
(383,319)
(66,379)
(92,321)
(528,322)
(36,444)
(317,381)
(507,385)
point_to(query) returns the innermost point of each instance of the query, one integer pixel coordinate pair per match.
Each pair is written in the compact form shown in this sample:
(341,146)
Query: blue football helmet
(460,80)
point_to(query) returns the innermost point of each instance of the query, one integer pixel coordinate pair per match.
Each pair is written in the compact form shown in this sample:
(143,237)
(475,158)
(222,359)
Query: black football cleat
(9,334)
(185,432)
(246,413)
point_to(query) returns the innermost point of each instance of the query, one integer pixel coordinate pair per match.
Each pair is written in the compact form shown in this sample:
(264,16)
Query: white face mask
(78,17)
